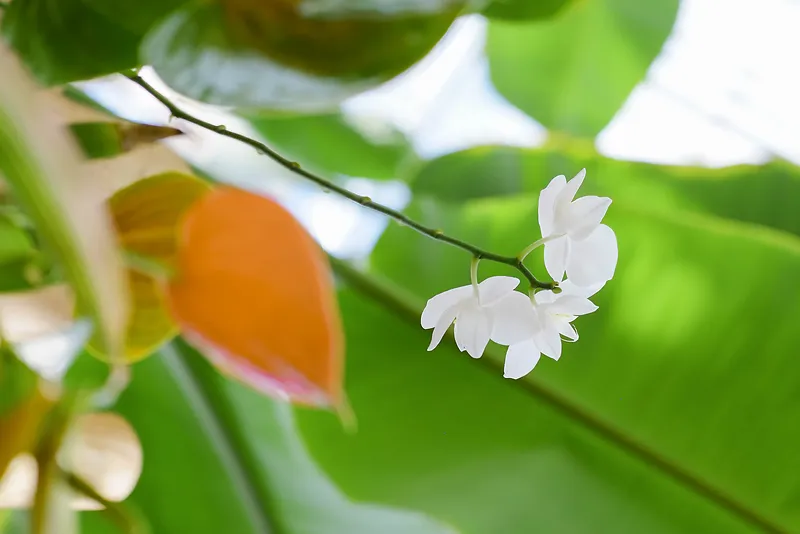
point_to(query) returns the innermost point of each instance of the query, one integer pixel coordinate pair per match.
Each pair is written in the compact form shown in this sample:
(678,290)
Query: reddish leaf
(254,290)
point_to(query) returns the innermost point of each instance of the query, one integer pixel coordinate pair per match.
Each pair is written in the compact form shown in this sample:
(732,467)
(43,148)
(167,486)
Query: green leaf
(43,169)
(268,55)
(17,382)
(761,194)
(136,17)
(668,369)
(211,441)
(478,172)
(523,9)
(86,373)
(98,139)
(16,255)
(440,433)
(15,243)
(573,72)
(65,40)
(110,139)
(328,144)
(16,522)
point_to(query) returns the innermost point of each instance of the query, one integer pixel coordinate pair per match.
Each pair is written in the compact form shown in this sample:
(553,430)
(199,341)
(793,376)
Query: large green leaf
(221,458)
(574,71)
(762,194)
(66,40)
(690,364)
(271,55)
(328,144)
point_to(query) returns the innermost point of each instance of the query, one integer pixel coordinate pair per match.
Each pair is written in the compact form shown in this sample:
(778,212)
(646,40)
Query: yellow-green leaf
(147,217)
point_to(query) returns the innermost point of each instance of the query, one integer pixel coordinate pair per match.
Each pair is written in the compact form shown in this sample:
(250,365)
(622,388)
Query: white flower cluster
(575,244)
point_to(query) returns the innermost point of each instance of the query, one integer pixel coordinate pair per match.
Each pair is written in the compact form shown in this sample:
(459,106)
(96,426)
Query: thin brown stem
(365,201)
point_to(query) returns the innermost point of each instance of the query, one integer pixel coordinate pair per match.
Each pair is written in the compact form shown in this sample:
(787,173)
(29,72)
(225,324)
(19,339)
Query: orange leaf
(254,291)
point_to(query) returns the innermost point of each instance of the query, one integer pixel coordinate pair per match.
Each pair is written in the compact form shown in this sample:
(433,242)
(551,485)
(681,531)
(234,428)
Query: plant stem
(365,201)
(536,244)
(125,517)
(473,274)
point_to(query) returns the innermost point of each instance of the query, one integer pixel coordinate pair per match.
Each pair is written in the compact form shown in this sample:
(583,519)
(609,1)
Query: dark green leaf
(98,139)
(65,40)
(16,276)
(328,144)
(573,72)
(523,9)
(210,441)
(268,55)
(136,17)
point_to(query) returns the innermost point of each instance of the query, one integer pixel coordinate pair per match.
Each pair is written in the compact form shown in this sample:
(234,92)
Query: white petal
(549,341)
(567,330)
(545,297)
(547,204)
(567,194)
(493,289)
(585,214)
(555,257)
(440,303)
(572,305)
(568,288)
(473,329)
(594,259)
(444,322)
(513,319)
(521,358)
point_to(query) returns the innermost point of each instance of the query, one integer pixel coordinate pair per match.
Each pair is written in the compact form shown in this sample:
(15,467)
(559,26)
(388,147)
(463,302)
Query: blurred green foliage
(673,414)
(327,144)
(17,382)
(214,442)
(573,72)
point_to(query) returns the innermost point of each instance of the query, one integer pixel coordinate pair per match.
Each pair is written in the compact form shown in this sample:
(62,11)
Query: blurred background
(675,413)
(719,93)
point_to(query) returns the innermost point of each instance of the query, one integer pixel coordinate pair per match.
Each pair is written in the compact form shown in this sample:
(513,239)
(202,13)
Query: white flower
(473,308)
(575,241)
(534,327)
